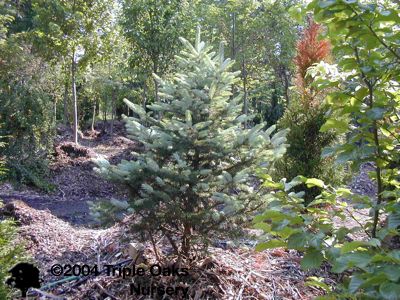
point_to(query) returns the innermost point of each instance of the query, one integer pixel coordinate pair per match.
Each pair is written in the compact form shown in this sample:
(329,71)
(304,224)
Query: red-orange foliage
(310,50)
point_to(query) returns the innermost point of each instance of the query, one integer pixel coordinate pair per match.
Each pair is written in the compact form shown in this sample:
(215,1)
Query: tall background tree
(152,29)
(28,92)
(69,31)
(260,36)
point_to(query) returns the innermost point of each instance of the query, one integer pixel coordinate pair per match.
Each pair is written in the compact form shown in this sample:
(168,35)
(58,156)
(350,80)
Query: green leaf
(317,282)
(376,113)
(389,291)
(355,282)
(312,259)
(315,182)
(263,226)
(394,220)
(297,241)
(270,244)
(338,125)
(392,272)
(326,3)
(328,151)
(348,247)
(349,260)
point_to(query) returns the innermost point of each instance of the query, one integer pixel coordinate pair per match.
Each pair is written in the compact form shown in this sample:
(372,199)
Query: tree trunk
(233,36)
(74,97)
(65,104)
(113,106)
(94,114)
(55,112)
(186,247)
(156,99)
(144,101)
(286,82)
(105,115)
(245,102)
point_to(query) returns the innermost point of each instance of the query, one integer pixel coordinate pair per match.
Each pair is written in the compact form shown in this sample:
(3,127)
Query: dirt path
(73,178)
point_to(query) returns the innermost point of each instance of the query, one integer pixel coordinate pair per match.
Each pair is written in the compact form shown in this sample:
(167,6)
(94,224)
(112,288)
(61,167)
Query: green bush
(365,87)
(304,155)
(26,112)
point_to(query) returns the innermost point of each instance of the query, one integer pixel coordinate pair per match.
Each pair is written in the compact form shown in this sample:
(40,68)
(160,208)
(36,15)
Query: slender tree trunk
(378,169)
(94,114)
(144,102)
(105,117)
(286,84)
(65,104)
(234,36)
(186,246)
(245,102)
(74,97)
(55,112)
(378,152)
(155,70)
(113,106)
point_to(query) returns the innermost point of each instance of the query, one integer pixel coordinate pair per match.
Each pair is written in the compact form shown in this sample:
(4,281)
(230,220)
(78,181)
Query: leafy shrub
(365,85)
(370,267)
(26,112)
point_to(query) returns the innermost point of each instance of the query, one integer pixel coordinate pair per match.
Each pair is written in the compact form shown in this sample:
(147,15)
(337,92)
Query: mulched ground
(51,226)
(71,173)
(236,273)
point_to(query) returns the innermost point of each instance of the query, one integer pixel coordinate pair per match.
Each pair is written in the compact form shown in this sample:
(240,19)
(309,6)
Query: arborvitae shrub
(304,117)
(194,180)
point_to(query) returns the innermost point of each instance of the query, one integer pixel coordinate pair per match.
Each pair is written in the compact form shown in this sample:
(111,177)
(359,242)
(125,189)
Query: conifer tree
(194,178)
(305,116)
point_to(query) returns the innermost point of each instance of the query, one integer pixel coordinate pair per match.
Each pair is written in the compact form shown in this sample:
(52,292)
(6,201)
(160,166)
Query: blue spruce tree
(193,180)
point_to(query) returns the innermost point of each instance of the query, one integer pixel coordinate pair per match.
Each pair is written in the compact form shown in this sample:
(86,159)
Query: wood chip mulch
(236,273)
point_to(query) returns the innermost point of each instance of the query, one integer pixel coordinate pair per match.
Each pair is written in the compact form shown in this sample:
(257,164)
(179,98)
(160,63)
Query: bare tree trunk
(157,98)
(105,117)
(55,112)
(94,114)
(234,36)
(286,81)
(113,106)
(186,238)
(144,102)
(245,102)
(65,104)
(74,97)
